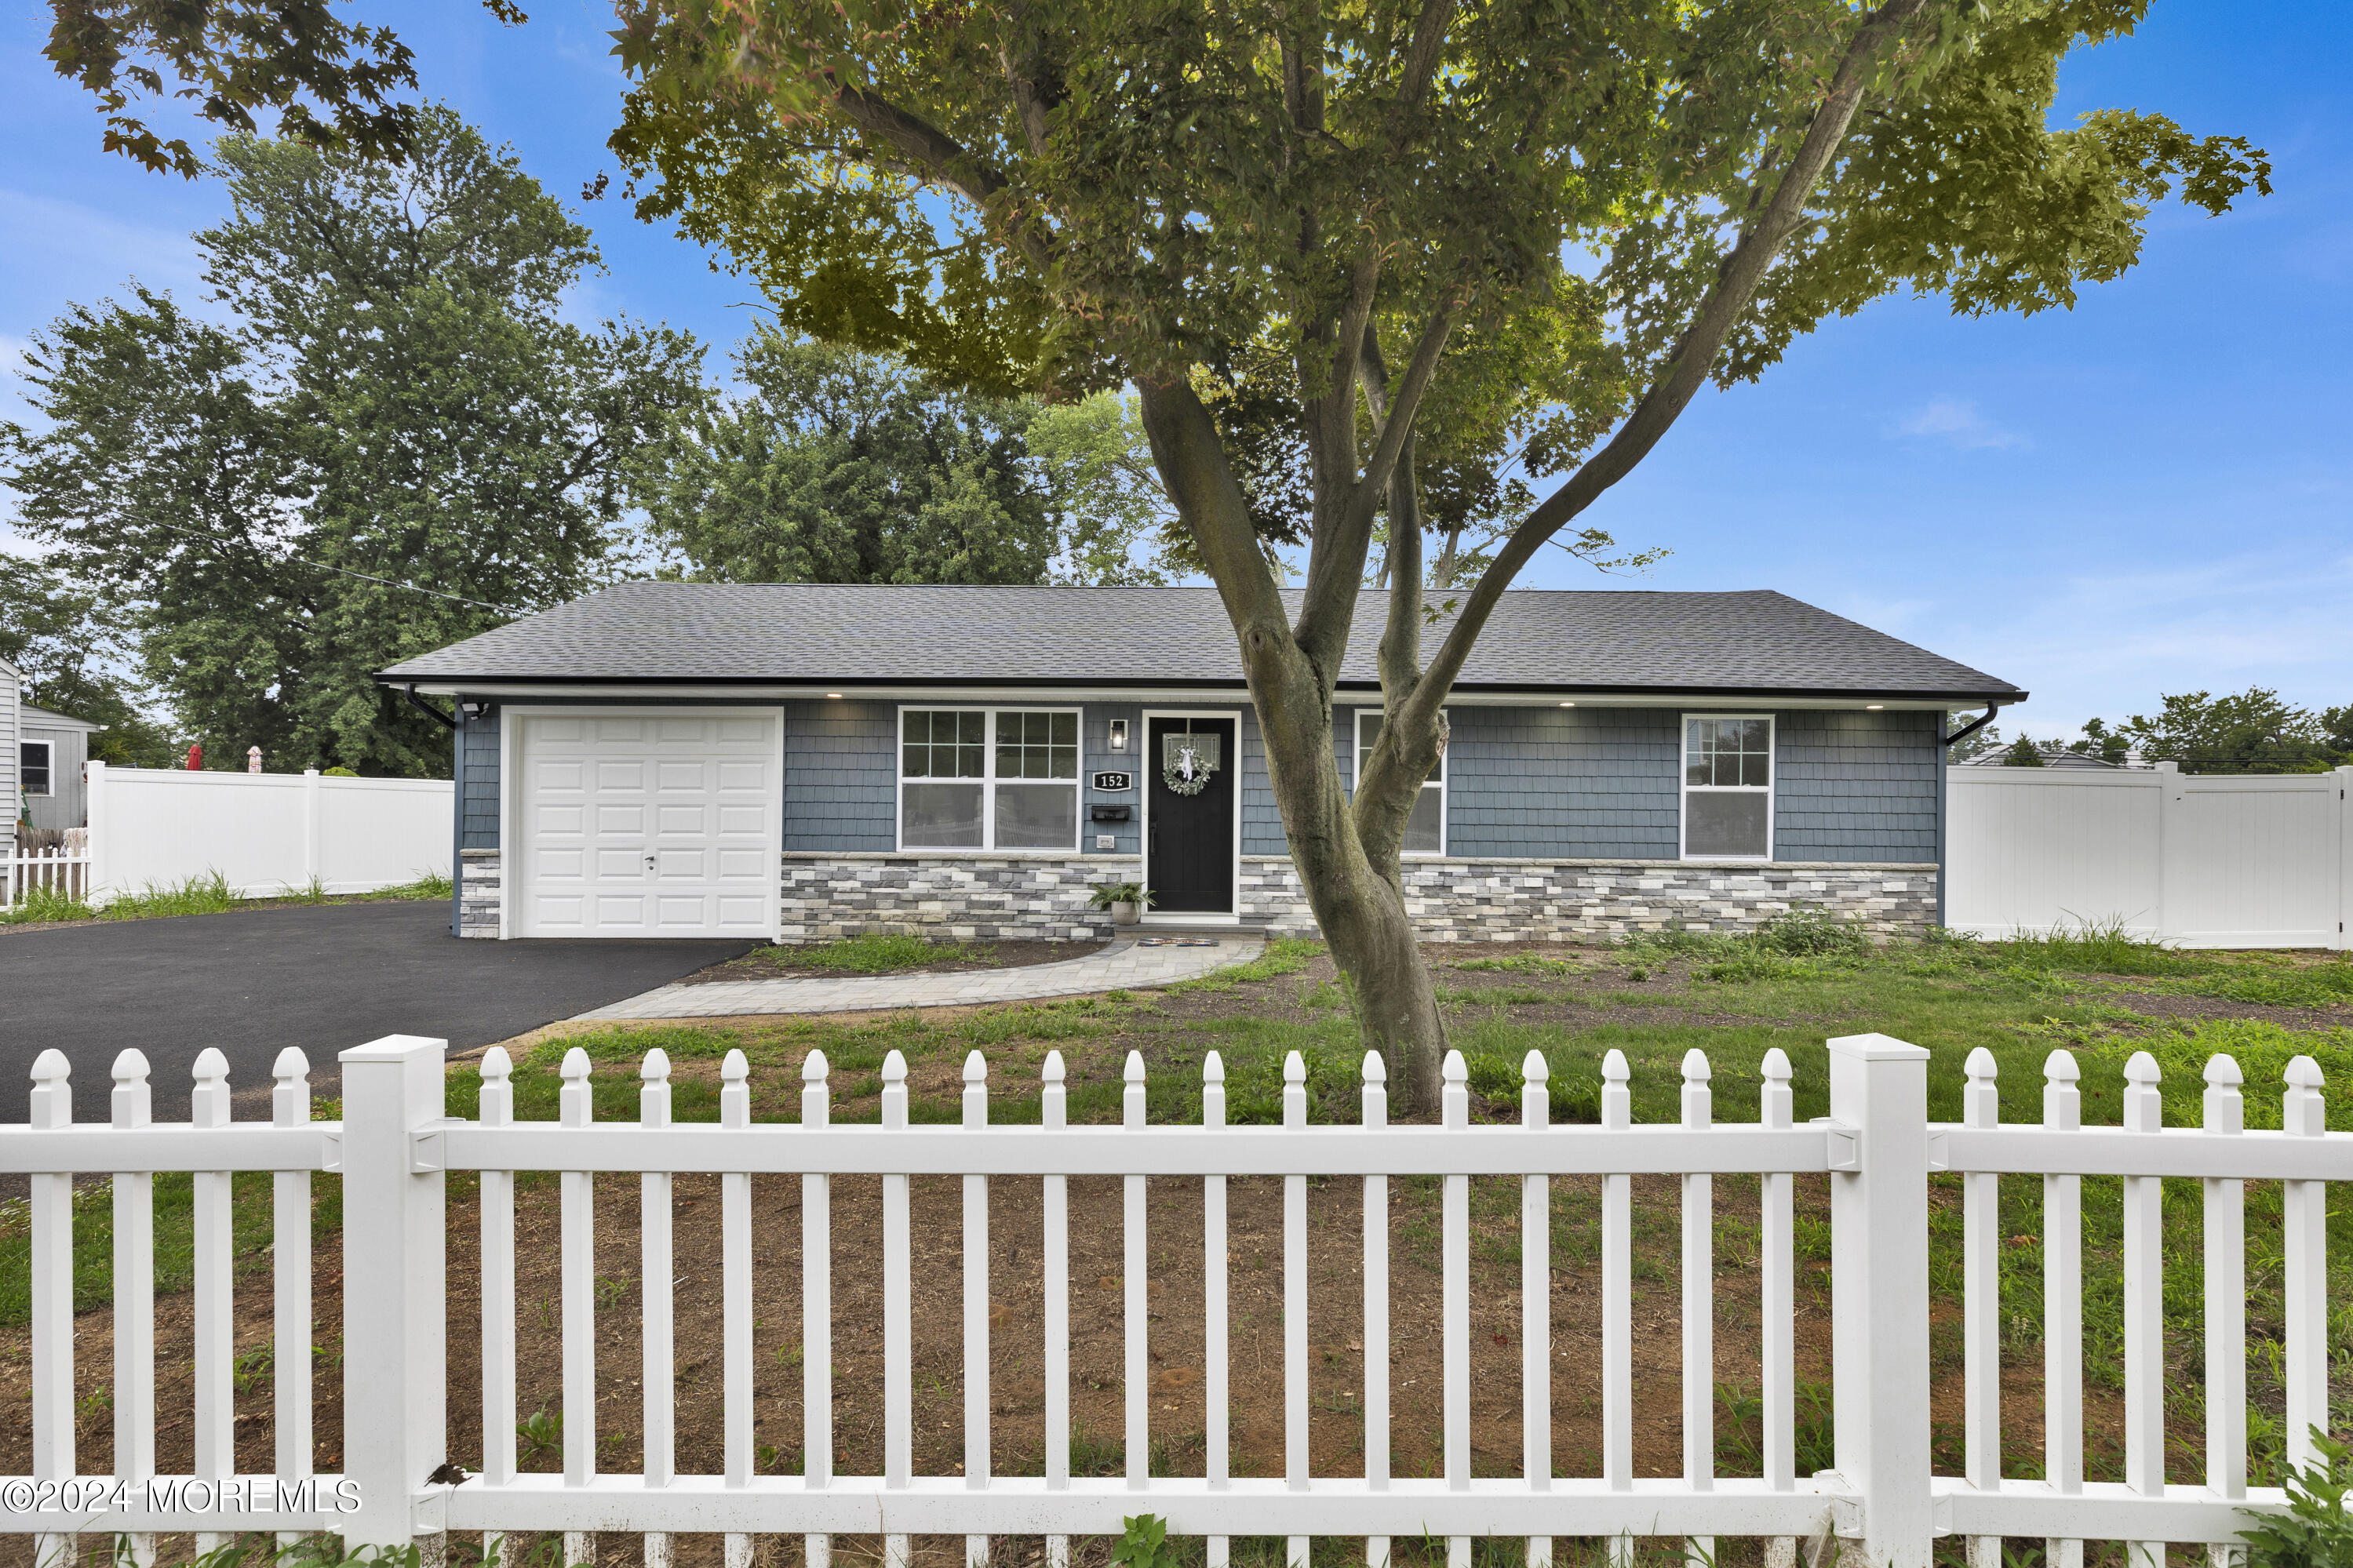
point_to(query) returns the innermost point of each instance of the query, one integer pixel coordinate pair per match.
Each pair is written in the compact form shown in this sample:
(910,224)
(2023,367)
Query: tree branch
(1421,65)
(931,149)
(1737,283)
(1192,461)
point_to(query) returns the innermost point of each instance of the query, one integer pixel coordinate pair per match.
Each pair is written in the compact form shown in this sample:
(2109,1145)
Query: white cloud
(1958,422)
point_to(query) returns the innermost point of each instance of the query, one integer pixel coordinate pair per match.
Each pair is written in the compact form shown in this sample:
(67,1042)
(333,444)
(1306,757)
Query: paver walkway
(1126,966)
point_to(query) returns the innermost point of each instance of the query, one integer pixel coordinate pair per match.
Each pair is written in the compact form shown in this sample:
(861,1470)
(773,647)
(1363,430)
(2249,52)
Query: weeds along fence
(52,871)
(394,1147)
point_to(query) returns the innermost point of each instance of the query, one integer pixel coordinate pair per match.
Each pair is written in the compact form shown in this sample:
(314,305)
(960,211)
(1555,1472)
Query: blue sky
(2150,493)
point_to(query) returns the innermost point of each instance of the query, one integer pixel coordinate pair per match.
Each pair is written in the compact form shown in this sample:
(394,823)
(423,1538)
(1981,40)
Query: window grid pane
(1036,745)
(944,744)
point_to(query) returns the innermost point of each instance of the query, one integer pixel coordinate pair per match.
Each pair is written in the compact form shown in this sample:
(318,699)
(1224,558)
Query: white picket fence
(2193,859)
(59,868)
(394,1147)
(265,833)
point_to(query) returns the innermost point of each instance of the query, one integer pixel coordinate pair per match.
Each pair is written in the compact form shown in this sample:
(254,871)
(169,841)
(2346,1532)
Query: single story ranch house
(806,761)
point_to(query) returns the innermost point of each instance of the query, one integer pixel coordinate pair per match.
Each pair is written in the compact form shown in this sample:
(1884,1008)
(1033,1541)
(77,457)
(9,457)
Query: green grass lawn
(208,894)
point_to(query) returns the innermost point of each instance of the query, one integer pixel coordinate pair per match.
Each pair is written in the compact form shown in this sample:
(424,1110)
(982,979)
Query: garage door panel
(696,794)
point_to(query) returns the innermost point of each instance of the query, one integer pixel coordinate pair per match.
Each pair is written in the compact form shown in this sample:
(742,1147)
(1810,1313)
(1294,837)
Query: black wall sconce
(1119,734)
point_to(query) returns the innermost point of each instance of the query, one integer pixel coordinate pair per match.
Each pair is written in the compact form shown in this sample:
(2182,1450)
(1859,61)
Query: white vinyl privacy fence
(394,1147)
(2193,859)
(264,832)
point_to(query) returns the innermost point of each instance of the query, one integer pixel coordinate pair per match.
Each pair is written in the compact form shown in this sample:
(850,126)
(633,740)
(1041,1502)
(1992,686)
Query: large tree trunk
(1346,852)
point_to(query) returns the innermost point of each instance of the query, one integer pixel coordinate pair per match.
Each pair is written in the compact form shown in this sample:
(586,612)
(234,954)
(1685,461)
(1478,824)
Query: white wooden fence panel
(393,1145)
(264,832)
(2197,860)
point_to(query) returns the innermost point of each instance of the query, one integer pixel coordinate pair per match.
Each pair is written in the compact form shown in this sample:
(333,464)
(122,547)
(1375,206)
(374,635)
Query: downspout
(427,709)
(458,823)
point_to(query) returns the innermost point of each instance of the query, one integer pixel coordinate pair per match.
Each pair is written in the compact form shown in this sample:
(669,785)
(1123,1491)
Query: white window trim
(1683,787)
(988,779)
(1445,777)
(48,767)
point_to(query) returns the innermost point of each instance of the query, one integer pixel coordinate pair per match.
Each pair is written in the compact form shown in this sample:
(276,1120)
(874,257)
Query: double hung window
(1425,830)
(1727,787)
(982,778)
(33,767)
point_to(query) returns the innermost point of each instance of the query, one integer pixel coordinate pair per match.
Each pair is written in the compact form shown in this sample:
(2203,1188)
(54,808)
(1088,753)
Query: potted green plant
(1125,901)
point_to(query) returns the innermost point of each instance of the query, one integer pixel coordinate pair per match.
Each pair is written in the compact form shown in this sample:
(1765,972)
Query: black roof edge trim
(2006,697)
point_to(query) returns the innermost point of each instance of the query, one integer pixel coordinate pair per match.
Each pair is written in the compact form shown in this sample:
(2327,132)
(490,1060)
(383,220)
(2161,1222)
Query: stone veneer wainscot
(1048,897)
(1493,898)
(968,898)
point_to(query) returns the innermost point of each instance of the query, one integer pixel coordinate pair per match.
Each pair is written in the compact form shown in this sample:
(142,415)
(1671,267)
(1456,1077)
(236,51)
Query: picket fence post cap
(1375,1069)
(1696,1068)
(734,1068)
(1213,1067)
(1295,1068)
(1613,1067)
(575,1065)
(290,1064)
(2222,1071)
(1534,1069)
(1134,1072)
(1981,1065)
(894,1068)
(976,1068)
(1776,1066)
(51,1066)
(2303,1072)
(495,1065)
(1054,1069)
(211,1066)
(813,1066)
(2060,1067)
(2142,1068)
(655,1069)
(1455,1070)
(129,1066)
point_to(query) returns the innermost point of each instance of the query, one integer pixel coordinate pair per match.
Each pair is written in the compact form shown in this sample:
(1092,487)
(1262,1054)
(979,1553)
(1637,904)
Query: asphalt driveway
(323,977)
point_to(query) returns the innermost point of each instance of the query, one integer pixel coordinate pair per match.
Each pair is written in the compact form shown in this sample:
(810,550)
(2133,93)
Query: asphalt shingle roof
(844,634)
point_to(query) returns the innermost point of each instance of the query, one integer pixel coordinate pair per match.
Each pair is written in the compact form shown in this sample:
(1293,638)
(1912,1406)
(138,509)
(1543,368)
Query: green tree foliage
(2254,731)
(2023,754)
(393,442)
(842,466)
(71,654)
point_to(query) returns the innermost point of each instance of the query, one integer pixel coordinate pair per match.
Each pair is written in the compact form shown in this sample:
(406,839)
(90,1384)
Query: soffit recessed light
(1569,704)
(835,695)
(1874,707)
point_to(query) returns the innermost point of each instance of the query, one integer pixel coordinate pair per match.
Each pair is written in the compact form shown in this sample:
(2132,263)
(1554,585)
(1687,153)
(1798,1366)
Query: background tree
(72,655)
(1974,745)
(1140,194)
(2023,754)
(2253,731)
(395,443)
(842,466)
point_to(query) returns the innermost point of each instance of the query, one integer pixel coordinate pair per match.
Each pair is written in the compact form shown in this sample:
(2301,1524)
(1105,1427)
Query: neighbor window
(1727,788)
(33,767)
(1425,830)
(978,778)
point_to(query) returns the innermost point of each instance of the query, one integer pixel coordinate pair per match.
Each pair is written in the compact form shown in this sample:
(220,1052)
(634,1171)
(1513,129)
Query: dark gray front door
(1189,860)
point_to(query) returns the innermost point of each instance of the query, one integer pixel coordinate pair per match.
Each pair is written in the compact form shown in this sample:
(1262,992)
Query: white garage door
(647,824)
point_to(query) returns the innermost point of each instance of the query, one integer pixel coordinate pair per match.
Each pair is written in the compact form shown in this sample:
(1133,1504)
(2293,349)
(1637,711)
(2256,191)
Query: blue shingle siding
(1855,786)
(1582,783)
(478,783)
(1098,757)
(841,776)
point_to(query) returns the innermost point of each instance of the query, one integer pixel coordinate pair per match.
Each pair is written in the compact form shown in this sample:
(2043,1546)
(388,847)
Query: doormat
(1178,942)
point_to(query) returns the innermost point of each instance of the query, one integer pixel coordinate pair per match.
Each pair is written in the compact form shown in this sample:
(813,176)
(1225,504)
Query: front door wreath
(1187,761)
